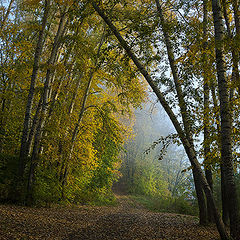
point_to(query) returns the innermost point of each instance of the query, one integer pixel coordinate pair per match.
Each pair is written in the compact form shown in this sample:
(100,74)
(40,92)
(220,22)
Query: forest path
(126,221)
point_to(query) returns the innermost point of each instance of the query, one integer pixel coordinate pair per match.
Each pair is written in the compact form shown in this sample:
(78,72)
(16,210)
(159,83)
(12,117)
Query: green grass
(171,205)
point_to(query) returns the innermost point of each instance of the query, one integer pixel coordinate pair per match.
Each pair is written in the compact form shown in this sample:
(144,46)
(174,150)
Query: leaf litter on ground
(126,221)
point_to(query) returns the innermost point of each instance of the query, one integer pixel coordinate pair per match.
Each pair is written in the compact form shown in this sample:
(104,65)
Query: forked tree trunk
(26,125)
(75,133)
(34,158)
(225,115)
(188,147)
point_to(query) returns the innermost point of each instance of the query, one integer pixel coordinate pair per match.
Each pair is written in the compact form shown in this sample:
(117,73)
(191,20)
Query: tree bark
(188,147)
(224,196)
(225,115)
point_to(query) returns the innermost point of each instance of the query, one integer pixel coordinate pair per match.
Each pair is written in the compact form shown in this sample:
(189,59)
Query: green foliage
(100,197)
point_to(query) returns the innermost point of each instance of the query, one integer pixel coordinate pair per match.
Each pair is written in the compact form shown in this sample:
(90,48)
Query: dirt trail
(126,221)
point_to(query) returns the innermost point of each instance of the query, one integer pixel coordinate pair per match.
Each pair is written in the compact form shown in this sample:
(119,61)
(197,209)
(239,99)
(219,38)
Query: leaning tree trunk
(38,52)
(225,115)
(33,129)
(188,147)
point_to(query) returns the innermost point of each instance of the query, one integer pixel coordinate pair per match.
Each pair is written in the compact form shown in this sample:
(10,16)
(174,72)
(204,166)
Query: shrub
(47,187)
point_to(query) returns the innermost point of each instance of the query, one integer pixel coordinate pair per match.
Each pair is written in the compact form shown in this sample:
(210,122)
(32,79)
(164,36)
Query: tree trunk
(225,115)
(33,164)
(206,141)
(57,91)
(225,200)
(34,127)
(188,147)
(75,133)
(236,39)
(234,51)
(201,199)
(38,52)
(70,110)
(208,173)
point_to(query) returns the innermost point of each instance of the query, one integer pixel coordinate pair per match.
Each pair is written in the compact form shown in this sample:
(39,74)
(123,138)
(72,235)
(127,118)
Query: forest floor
(126,221)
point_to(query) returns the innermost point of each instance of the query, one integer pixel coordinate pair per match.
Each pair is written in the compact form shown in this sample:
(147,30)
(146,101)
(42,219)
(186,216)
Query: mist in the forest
(153,163)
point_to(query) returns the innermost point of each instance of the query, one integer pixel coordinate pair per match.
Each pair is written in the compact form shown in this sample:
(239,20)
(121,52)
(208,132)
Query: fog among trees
(75,104)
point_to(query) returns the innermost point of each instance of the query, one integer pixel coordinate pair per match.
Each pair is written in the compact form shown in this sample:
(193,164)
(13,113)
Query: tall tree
(225,115)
